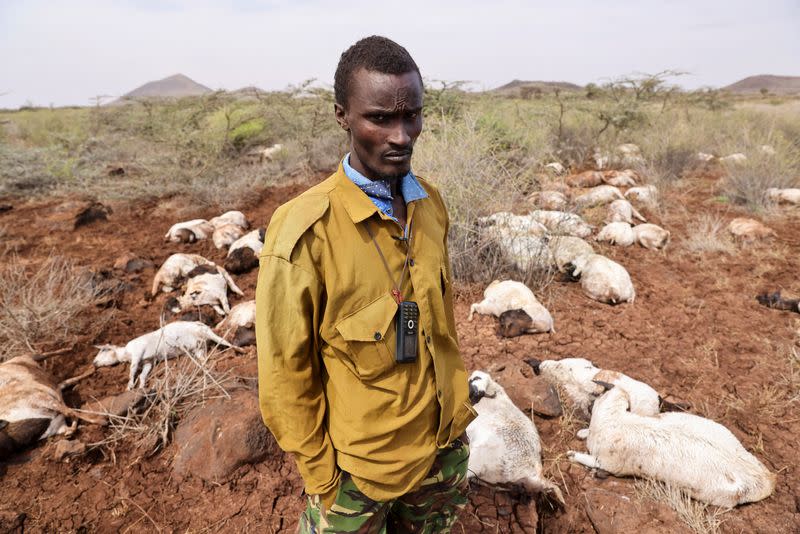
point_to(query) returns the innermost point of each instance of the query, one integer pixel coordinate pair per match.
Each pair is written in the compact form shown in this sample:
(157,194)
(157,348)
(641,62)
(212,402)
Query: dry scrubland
(695,329)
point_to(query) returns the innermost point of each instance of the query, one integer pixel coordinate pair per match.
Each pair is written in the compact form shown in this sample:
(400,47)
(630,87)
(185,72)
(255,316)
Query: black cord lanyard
(396,287)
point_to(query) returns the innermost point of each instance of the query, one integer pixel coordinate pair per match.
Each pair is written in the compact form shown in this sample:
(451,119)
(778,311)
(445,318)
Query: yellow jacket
(329,387)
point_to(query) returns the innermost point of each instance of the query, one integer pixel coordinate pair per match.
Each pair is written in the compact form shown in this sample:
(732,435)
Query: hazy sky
(64,52)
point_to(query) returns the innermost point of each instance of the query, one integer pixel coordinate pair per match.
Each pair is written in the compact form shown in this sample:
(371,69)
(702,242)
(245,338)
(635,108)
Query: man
(375,432)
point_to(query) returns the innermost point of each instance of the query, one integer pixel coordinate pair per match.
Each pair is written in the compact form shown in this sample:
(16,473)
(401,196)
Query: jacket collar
(357,204)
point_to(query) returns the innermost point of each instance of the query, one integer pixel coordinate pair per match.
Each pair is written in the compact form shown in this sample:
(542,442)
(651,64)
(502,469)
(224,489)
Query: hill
(517,87)
(779,85)
(174,86)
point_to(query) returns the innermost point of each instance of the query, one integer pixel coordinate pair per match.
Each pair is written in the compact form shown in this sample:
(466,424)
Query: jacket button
(377,336)
(411,262)
(427,339)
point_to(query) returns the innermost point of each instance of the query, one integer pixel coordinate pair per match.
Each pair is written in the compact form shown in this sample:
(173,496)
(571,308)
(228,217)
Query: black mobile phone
(407,326)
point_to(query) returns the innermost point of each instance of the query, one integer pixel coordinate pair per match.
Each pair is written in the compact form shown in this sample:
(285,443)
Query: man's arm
(291,398)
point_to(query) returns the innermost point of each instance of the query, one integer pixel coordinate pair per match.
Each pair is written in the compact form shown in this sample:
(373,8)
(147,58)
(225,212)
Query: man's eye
(379,118)
(413,115)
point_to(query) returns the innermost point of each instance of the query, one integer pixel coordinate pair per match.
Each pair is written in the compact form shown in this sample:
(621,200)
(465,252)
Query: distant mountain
(174,86)
(517,87)
(779,85)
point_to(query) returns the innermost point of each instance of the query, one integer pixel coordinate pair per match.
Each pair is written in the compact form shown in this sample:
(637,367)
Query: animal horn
(534,363)
(605,385)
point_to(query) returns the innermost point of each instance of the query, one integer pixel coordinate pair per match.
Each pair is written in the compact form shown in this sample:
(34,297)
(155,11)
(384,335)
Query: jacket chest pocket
(370,336)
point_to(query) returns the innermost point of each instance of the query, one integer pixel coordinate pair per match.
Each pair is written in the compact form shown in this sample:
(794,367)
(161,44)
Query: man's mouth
(398,156)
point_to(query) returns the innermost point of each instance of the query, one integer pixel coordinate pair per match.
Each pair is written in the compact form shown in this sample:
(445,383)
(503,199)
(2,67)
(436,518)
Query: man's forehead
(386,91)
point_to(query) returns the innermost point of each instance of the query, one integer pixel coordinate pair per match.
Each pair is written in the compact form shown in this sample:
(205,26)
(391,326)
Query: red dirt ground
(695,331)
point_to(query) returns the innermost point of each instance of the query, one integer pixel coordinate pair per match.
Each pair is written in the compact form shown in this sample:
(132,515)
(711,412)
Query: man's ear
(339,113)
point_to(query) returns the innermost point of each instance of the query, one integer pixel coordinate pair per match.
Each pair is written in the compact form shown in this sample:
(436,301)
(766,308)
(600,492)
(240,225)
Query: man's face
(383,114)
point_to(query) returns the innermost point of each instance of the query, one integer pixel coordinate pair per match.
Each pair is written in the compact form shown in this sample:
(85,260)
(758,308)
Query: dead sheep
(243,253)
(682,450)
(622,211)
(651,236)
(777,302)
(269,153)
(626,178)
(646,194)
(704,157)
(565,248)
(189,231)
(512,225)
(555,167)
(734,159)
(31,406)
(602,279)
(509,295)
(552,200)
(585,179)
(629,154)
(178,266)
(522,251)
(240,321)
(749,230)
(576,378)
(225,234)
(230,217)
(602,194)
(504,443)
(616,233)
(207,288)
(562,223)
(784,196)
(173,339)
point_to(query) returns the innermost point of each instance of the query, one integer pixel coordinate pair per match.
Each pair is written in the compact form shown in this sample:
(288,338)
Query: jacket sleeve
(291,398)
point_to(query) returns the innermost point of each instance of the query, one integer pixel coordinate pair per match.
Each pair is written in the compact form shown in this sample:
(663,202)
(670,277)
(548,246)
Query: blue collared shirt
(379,191)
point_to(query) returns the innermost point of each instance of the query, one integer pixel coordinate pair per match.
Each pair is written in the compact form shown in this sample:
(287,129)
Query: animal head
(566,371)
(241,260)
(109,355)
(481,385)
(513,323)
(184,235)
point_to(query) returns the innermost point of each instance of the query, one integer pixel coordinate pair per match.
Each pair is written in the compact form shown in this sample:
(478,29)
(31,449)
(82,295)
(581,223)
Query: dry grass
(175,387)
(699,517)
(45,307)
(708,234)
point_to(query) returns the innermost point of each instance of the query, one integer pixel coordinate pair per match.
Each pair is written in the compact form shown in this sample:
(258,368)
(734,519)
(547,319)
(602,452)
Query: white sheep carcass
(682,450)
(31,405)
(602,194)
(734,159)
(585,179)
(189,231)
(645,194)
(209,288)
(178,266)
(508,295)
(552,200)
(622,211)
(651,236)
(225,234)
(519,246)
(562,223)
(243,253)
(565,248)
(784,196)
(240,322)
(626,178)
(576,378)
(269,153)
(616,233)
(629,155)
(603,280)
(512,224)
(173,339)
(230,217)
(749,230)
(705,157)
(555,167)
(504,444)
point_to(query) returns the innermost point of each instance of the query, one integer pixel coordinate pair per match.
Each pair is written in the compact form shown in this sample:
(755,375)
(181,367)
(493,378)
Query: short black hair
(374,53)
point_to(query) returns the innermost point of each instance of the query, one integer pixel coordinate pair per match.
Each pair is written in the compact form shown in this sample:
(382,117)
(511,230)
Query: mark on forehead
(401,98)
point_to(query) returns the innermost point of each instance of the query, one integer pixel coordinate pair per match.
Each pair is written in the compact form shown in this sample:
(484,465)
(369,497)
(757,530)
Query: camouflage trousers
(430,508)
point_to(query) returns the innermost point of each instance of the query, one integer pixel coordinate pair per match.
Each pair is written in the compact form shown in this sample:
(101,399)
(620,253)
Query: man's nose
(399,135)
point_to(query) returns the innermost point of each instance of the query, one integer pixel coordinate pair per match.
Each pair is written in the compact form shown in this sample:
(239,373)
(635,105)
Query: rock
(529,392)
(614,513)
(12,522)
(117,405)
(130,263)
(215,439)
(68,447)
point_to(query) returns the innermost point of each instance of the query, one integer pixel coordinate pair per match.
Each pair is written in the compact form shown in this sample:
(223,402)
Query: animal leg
(148,365)
(584,459)
(230,281)
(583,433)
(136,360)
(219,310)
